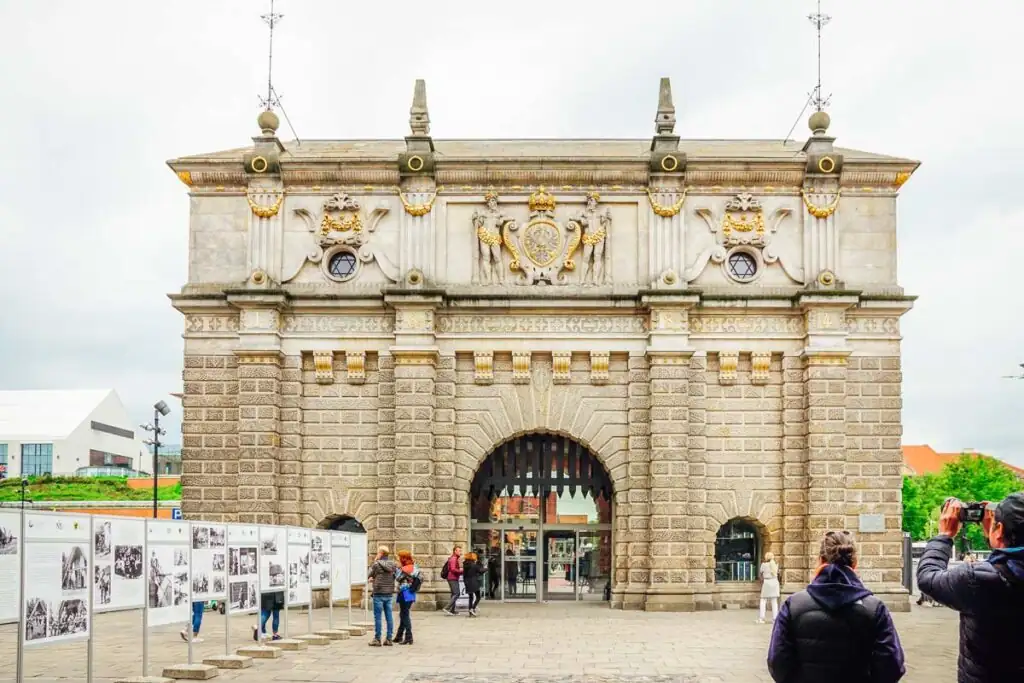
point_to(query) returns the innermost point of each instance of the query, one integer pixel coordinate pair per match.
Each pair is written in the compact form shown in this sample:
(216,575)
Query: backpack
(417,581)
(444,569)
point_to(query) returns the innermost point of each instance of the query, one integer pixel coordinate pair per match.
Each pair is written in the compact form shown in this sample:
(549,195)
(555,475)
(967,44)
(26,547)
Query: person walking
(770,589)
(472,576)
(451,572)
(270,606)
(835,630)
(989,595)
(382,581)
(198,609)
(409,582)
(493,572)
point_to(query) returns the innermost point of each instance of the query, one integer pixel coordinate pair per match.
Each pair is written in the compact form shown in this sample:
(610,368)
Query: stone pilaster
(633,504)
(793,559)
(415,513)
(449,503)
(259,387)
(291,506)
(700,547)
(381,526)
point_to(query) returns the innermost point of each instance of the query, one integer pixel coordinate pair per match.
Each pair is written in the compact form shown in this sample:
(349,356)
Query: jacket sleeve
(782,664)
(887,665)
(954,588)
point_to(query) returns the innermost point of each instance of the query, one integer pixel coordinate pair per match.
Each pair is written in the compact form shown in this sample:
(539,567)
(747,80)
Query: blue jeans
(382,605)
(265,615)
(197,616)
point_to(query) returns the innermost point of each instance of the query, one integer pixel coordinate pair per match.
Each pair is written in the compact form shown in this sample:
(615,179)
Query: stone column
(700,548)
(259,386)
(793,559)
(669,356)
(292,471)
(633,504)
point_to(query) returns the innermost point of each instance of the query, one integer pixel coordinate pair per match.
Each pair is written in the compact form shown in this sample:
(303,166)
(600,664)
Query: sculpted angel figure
(595,232)
(488,226)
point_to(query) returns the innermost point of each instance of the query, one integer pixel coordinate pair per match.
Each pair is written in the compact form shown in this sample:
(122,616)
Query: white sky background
(97,95)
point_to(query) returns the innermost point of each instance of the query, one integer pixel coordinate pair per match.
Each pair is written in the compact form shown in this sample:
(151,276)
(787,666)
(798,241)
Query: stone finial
(268,122)
(419,117)
(819,123)
(665,121)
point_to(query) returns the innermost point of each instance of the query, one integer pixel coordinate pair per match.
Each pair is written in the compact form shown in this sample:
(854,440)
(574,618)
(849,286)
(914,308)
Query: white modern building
(60,432)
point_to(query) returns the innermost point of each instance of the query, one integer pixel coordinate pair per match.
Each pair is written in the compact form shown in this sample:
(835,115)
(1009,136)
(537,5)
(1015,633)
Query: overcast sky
(98,95)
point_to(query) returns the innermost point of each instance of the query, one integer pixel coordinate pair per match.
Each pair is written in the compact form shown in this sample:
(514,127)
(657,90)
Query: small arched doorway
(540,520)
(737,551)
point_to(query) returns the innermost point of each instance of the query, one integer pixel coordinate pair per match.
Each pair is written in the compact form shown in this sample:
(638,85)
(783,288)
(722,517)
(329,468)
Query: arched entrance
(540,519)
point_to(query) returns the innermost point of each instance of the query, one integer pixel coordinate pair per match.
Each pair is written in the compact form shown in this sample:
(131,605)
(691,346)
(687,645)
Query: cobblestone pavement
(508,643)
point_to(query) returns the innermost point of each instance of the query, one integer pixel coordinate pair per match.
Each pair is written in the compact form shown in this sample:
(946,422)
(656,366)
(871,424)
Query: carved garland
(417,209)
(821,211)
(265,211)
(661,209)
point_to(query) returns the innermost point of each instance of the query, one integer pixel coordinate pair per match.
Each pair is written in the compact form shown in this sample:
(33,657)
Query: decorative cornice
(698,178)
(259,357)
(550,177)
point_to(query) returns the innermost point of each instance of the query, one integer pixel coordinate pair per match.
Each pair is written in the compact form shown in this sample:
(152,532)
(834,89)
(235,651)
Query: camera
(970,513)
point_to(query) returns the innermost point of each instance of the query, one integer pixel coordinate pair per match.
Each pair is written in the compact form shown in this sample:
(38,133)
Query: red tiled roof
(925,460)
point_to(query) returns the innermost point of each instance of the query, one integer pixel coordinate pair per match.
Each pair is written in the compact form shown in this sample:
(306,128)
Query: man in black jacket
(989,595)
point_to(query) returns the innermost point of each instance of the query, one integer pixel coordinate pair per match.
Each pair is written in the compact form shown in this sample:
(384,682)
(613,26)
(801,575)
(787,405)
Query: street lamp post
(24,486)
(159,409)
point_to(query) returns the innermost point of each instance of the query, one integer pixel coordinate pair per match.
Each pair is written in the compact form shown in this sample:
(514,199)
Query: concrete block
(336,634)
(145,679)
(259,652)
(229,661)
(355,631)
(192,672)
(291,644)
(314,639)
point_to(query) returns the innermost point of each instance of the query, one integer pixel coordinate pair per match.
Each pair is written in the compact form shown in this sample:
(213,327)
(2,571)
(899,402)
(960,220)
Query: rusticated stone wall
(209,433)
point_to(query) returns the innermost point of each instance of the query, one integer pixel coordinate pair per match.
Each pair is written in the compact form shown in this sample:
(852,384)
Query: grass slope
(82,489)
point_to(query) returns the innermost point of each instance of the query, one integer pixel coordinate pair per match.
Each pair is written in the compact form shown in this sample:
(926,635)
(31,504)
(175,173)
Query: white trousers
(764,605)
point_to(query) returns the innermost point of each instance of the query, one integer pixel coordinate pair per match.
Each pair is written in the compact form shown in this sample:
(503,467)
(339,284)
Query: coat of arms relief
(542,249)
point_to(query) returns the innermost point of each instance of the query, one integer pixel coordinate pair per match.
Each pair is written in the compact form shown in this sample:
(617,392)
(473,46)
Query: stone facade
(718,322)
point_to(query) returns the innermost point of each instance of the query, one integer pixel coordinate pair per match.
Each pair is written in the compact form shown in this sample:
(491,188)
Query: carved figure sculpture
(594,227)
(488,225)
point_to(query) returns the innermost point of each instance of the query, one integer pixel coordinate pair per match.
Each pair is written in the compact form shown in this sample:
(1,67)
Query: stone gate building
(703,335)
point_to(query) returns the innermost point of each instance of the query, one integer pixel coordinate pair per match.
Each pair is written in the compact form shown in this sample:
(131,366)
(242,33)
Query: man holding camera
(989,595)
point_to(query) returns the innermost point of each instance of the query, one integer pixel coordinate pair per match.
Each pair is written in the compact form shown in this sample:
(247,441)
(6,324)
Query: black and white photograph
(74,569)
(292,597)
(218,537)
(72,617)
(180,557)
(217,562)
(128,561)
(293,575)
(269,546)
(243,561)
(8,541)
(37,614)
(101,584)
(102,541)
(218,584)
(200,537)
(181,595)
(276,573)
(243,595)
(316,544)
(200,583)
(161,591)
(325,577)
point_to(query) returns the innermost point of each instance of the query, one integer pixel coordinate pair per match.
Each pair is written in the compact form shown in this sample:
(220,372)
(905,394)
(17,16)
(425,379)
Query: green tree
(921,498)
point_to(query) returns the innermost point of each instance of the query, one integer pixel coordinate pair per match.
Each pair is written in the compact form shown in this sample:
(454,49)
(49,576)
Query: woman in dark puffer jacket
(835,630)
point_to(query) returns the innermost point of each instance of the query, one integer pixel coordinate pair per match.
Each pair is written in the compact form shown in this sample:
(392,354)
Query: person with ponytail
(835,630)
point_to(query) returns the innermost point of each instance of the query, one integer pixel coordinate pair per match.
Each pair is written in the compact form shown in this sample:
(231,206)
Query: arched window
(342,523)
(737,551)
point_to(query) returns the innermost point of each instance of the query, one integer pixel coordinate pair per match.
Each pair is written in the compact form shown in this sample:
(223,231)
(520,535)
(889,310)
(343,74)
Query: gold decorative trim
(599,363)
(661,209)
(828,162)
(826,278)
(760,367)
(521,367)
(743,225)
(265,211)
(355,364)
(349,222)
(821,211)
(541,200)
(561,367)
(825,359)
(483,367)
(415,163)
(323,363)
(186,177)
(263,164)
(728,362)
(902,177)
(510,245)
(258,277)
(415,358)
(669,163)
(417,209)
(594,238)
(259,358)
(491,239)
(574,242)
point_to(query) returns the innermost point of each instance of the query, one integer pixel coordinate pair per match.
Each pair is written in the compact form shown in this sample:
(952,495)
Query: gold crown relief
(540,200)
(491,194)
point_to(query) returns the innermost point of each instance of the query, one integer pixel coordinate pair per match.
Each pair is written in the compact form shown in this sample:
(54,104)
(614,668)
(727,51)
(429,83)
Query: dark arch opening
(539,465)
(737,551)
(342,523)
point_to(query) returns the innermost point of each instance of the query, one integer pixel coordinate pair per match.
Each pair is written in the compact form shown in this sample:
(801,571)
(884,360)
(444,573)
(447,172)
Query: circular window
(742,266)
(342,265)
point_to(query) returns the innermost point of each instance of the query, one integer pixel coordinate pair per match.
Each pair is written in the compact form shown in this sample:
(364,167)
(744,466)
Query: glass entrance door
(593,565)
(519,565)
(559,565)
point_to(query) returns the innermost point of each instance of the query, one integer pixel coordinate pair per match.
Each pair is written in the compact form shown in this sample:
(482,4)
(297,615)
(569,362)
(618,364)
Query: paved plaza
(508,643)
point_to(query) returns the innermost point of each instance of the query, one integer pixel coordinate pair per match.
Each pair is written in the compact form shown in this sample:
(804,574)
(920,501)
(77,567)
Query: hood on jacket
(1012,557)
(836,586)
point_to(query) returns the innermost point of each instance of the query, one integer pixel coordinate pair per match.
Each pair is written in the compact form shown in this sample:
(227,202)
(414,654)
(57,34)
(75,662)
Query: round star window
(742,266)
(342,265)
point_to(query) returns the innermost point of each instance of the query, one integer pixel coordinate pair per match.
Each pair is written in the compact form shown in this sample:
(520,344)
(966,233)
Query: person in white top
(769,574)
